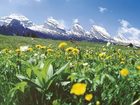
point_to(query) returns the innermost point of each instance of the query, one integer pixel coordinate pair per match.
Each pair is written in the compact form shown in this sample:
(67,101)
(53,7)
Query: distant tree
(33,35)
(17,34)
(131,45)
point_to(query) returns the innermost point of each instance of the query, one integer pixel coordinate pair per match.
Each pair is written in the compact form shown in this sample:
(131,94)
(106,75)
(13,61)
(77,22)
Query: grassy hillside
(16,41)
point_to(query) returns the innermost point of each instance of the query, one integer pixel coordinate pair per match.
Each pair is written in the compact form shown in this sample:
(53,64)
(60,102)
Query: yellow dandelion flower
(43,47)
(124,72)
(103,54)
(138,67)
(78,89)
(69,49)
(123,59)
(88,97)
(104,49)
(38,46)
(30,49)
(62,45)
(49,50)
(108,57)
(18,50)
(5,50)
(122,62)
(75,51)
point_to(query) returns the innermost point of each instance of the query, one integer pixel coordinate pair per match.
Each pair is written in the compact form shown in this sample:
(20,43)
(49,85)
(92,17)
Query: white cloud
(102,9)
(124,23)
(128,31)
(75,21)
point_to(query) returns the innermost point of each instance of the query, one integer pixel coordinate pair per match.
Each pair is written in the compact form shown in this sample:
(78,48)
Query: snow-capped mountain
(121,40)
(54,29)
(6,20)
(76,30)
(99,33)
(51,26)
(15,27)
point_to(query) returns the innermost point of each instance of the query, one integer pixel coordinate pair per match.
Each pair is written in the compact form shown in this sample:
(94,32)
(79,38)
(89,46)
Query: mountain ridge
(21,25)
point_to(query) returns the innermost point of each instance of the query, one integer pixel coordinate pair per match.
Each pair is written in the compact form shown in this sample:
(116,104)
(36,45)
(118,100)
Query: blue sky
(110,14)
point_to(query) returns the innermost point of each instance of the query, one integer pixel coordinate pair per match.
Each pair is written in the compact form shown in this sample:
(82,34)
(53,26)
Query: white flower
(35,54)
(32,60)
(85,64)
(24,48)
(108,44)
(42,56)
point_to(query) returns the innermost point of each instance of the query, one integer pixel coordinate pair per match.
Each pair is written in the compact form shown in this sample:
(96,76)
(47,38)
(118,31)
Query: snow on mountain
(124,41)
(51,26)
(127,34)
(6,20)
(99,32)
(120,38)
(77,29)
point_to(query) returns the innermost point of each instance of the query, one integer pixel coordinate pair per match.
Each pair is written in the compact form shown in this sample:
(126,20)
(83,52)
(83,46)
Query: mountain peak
(6,20)
(53,23)
(100,29)
(18,16)
(99,32)
(15,16)
(52,28)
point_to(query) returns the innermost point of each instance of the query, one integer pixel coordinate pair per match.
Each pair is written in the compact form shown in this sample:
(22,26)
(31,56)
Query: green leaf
(110,77)
(136,101)
(29,72)
(45,69)
(102,78)
(50,81)
(30,82)
(61,69)
(21,77)
(39,75)
(21,86)
(50,71)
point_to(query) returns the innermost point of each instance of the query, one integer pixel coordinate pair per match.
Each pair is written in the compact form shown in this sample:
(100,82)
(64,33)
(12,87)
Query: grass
(16,41)
(50,75)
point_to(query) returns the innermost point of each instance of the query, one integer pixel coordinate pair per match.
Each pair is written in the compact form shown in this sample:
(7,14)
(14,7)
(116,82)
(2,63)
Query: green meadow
(37,71)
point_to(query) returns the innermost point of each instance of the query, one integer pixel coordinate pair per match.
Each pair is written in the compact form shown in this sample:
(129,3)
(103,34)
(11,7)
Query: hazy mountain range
(20,25)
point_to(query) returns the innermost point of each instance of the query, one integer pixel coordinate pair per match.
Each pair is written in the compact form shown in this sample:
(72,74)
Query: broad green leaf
(21,77)
(50,81)
(29,72)
(39,75)
(110,77)
(30,82)
(61,69)
(50,71)
(45,69)
(21,86)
